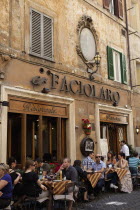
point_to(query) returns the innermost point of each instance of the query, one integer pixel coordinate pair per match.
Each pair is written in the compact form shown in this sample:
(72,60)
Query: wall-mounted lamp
(96,62)
(137,130)
(4,103)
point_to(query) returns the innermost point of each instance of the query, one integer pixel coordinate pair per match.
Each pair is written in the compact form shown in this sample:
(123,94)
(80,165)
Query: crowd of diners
(29,183)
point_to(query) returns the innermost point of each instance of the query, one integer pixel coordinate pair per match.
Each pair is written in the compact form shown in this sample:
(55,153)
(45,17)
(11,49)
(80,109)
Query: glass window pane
(32,136)
(15,135)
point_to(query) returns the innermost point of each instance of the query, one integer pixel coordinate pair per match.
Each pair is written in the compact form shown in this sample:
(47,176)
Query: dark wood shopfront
(36,129)
(113,127)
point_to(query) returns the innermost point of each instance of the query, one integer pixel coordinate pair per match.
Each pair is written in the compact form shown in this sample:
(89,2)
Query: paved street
(111,201)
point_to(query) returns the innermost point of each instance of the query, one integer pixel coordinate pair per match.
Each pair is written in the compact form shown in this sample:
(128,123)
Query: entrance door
(32,136)
(114,133)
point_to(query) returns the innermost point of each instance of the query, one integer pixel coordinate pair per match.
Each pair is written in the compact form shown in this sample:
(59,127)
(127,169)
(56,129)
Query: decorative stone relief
(4,60)
(87,41)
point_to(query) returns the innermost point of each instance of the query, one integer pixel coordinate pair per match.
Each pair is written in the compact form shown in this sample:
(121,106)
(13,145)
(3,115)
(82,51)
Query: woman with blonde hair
(5,186)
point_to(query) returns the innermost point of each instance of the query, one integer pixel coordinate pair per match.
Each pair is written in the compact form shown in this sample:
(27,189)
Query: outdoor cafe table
(94,178)
(120,172)
(56,187)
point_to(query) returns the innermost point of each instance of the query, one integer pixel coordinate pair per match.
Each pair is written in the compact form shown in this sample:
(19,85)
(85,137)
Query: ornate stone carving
(4,61)
(37,80)
(86,22)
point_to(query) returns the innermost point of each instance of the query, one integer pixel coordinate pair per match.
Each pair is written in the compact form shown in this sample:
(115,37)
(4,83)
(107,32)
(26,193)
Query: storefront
(36,129)
(33,126)
(114,125)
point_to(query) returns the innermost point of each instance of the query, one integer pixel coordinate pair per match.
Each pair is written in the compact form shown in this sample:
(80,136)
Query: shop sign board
(21,105)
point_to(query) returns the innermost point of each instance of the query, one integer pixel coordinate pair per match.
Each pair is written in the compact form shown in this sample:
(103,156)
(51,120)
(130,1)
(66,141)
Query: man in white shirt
(125,149)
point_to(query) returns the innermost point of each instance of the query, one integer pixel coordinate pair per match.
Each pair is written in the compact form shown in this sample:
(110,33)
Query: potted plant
(86,126)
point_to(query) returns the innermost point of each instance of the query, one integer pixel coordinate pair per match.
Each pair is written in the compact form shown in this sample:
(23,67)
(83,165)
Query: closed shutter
(41,35)
(106,4)
(123,69)
(110,63)
(118,8)
(35,33)
(47,37)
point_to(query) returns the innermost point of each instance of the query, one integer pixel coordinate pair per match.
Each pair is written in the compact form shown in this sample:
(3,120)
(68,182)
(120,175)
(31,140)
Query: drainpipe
(128,43)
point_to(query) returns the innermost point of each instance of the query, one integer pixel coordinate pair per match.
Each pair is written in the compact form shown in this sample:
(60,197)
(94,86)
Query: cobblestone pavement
(111,201)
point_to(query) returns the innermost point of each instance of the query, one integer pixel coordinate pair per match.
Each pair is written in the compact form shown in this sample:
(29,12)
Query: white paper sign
(104,147)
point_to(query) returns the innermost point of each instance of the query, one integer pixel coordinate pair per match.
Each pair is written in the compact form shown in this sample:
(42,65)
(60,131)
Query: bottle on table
(40,174)
(60,174)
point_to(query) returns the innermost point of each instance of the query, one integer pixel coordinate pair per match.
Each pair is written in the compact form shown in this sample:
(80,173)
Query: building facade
(51,79)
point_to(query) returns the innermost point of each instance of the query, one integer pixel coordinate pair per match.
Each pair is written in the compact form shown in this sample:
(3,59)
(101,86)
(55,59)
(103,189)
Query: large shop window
(41,35)
(114,6)
(32,136)
(116,66)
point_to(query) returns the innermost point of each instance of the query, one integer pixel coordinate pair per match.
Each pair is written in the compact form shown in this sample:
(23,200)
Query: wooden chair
(67,196)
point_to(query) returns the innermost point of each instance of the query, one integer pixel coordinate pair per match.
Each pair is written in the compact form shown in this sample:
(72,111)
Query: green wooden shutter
(123,69)
(110,63)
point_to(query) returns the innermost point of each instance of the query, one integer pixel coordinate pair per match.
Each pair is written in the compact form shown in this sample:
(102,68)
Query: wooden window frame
(117,7)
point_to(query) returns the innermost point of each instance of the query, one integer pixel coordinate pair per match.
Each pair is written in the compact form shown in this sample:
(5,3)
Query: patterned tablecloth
(57,188)
(120,172)
(93,178)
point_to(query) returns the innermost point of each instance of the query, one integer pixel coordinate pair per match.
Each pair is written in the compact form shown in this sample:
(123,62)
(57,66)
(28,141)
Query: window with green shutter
(110,63)
(116,66)
(41,35)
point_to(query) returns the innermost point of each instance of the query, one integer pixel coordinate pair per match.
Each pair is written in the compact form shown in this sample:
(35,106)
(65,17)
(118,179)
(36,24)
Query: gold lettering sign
(38,108)
(113,118)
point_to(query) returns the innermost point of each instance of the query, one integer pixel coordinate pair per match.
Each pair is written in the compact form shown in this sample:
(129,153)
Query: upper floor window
(41,35)
(111,6)
(116,66)
(114,6)
(138,73)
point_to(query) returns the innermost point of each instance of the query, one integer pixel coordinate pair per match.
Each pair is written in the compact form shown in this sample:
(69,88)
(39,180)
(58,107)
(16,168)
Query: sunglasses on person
(98,156)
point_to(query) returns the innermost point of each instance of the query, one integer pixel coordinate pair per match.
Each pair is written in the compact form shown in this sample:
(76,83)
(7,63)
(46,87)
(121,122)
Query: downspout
(128,43)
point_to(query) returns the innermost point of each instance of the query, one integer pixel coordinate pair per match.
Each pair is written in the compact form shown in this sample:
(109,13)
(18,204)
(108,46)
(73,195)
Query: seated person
(16,177)
(70,173)
(99,167)
(41,168)
(5,186)
(88,161)
(126,181)
(31,184)
(134,162)
(111,161)
(82,176)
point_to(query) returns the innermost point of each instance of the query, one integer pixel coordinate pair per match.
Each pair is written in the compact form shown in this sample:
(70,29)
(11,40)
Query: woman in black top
(82,175)
(31,184)
(16,177)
